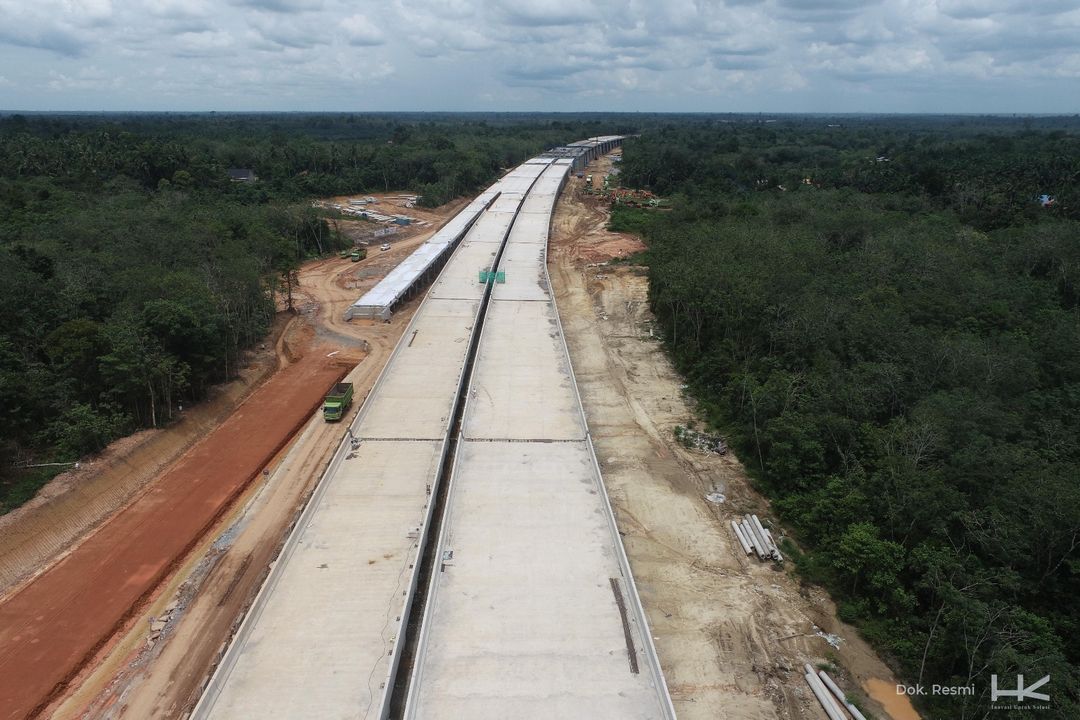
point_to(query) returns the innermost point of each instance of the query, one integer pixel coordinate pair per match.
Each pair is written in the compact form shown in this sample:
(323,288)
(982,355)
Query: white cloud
(207,43)
(277,32)
(545,54)
(88,77)
(542,13)
(286,7)
(361,31)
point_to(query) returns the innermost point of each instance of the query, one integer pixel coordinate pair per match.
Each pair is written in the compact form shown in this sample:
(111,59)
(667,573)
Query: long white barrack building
(416,270)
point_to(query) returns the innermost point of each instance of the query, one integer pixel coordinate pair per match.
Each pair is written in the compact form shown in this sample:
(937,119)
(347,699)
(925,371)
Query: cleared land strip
(323,637)
(51,627)
(533,612)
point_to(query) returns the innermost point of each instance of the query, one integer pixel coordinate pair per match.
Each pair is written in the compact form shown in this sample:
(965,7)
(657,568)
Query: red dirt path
(54,625)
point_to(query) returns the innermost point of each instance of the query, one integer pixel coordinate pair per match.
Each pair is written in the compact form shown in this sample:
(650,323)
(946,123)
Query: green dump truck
(337,401)
(358,254)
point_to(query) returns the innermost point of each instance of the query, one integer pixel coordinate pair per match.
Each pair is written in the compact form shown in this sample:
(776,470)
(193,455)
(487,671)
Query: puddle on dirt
(897,706)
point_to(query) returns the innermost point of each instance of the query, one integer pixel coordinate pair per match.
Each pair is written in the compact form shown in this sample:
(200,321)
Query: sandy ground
(732,633)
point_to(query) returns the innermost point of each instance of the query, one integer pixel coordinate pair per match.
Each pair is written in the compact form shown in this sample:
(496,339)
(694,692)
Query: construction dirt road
(732,633)
(140,592)
(53,625)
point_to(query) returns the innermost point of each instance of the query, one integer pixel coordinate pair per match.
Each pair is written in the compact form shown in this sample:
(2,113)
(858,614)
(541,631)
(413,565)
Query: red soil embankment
(55,625)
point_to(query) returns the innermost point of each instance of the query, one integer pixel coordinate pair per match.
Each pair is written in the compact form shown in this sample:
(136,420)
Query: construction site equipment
(358,254)
(492,276)
(337,401)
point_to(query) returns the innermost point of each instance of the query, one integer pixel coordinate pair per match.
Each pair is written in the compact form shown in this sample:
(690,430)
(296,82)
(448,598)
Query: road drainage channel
(399,693)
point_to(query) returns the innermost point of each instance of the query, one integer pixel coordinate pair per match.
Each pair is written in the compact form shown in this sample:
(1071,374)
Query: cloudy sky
(567,55)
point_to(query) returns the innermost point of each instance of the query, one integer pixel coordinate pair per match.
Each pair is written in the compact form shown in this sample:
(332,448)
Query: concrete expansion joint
(398,439)
(525,440)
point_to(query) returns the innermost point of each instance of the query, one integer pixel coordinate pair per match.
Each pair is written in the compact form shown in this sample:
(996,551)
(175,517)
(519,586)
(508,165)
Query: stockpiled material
(822,694)
(755,538)
(840,695)
(742,538)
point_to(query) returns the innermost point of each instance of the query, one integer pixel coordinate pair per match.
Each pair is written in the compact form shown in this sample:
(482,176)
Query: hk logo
(1021,693)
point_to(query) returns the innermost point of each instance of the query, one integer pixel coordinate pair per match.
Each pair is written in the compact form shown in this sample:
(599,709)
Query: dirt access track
(187,543)
(52,626)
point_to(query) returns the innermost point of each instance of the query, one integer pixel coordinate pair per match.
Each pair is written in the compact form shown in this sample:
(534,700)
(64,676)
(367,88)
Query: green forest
(883,317)
(880,314)
(136,273)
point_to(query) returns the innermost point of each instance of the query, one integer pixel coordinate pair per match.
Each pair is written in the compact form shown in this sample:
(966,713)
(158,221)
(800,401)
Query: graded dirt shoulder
(732,633)
(52,626)
(36,535)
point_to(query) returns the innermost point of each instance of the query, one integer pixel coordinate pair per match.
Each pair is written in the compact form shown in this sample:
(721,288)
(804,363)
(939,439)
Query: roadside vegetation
(135,272)
(884,320)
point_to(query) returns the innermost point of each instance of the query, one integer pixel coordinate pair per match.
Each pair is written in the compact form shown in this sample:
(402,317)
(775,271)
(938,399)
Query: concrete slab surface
(319,647)
(525,623)
(520,178)
(533,614)
(417,398)
(474,257)
(521,386)
(508,202)
(531,228)
(525,279)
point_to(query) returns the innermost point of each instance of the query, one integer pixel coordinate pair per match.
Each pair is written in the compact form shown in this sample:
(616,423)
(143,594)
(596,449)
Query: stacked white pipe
(831,697)
(835,690)
(822,694)
(754,538)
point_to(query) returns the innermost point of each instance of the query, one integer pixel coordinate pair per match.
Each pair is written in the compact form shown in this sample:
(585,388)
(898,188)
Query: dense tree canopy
(886,322)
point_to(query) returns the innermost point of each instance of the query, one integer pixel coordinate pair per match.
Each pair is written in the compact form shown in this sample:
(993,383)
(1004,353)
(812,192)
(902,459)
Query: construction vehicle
(337,401)
(358,254)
